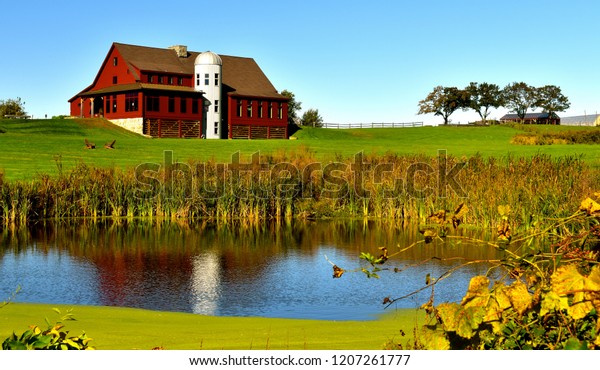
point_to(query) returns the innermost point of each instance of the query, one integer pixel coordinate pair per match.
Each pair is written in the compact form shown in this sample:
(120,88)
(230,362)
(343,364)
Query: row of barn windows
(250,109)
(153,104)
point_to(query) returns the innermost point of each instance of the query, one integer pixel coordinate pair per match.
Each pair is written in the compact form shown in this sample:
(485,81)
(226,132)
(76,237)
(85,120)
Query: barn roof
(241,76)
(542,115)
(589,119)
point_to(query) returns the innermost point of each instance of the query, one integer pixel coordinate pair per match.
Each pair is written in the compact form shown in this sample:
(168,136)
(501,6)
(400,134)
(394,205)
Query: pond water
(270,271)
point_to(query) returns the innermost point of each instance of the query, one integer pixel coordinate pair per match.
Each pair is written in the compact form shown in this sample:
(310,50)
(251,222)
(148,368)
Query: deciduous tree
(312,118)
(294,107)
(443,101)
(483,97)
(519,97)
(12,107)
(551,99)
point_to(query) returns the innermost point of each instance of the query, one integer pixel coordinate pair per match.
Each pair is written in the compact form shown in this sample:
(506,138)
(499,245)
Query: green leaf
(575,344)
(42,342)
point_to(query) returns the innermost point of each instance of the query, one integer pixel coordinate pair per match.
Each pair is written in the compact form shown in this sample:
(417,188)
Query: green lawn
(32,147)
(128,328)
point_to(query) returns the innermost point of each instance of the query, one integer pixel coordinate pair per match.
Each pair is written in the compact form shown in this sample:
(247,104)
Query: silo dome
(208,58)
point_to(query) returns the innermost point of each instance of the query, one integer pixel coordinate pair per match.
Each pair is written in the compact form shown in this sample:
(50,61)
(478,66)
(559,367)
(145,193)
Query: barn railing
(162,128)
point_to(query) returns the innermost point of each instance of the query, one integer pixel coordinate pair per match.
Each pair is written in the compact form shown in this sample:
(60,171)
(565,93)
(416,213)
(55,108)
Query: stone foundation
(132,124)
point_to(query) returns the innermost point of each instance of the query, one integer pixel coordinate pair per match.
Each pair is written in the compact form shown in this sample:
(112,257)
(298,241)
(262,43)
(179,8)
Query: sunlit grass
(32,147)
(129,328)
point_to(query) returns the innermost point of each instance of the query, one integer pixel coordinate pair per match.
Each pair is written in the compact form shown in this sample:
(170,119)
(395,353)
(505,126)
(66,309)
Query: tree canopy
(12,107)
(312,118)
(294,107)
(519,97)
(482,97)
(551,99)
(443,101)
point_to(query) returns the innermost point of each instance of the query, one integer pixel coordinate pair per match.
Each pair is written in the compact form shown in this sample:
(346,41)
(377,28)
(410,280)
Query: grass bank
(128,328)
(33,147)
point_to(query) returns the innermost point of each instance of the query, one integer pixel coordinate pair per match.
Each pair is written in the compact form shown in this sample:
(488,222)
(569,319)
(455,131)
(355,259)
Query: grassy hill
(32,147)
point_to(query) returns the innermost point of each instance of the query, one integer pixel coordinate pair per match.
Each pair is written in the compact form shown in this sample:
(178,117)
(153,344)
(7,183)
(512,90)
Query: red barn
(175,93)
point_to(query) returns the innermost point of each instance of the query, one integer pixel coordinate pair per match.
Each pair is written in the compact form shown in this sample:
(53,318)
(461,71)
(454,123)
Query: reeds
(282,187)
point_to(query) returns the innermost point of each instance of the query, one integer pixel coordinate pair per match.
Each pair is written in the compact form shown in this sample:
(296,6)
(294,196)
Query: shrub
(52,338)
(547,296)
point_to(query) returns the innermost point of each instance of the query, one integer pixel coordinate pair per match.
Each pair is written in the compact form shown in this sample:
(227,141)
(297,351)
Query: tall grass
(285,186)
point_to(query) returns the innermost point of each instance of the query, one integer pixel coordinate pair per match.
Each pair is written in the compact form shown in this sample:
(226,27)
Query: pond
(236,270)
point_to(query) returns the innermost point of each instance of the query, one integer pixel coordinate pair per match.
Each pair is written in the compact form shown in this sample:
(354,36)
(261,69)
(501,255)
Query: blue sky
(354,61)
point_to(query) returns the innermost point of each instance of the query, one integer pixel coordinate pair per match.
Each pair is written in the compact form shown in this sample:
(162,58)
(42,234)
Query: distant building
(177,93)
(533,118)
(586,120)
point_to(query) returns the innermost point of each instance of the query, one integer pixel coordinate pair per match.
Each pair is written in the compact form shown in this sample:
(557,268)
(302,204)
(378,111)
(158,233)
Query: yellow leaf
(504,210)
(434,339)
(501,297)
(552,301)
(520,298)
(478,293)
(469,319)
(567,281)
(448,315)
(337,272)
(589,206)
(499,301)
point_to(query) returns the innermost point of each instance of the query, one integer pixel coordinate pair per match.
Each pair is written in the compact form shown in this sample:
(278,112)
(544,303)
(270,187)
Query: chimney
(181,50)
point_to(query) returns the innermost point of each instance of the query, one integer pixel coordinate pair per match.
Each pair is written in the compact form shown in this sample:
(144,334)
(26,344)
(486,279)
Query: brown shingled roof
(241,76)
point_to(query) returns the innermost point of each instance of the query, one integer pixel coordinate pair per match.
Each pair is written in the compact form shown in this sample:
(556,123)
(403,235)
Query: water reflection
(270,270)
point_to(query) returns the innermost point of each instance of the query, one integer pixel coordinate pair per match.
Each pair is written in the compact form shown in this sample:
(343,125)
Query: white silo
(207,70)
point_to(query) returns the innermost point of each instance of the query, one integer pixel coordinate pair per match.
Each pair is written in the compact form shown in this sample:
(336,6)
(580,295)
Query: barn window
(206,78)
(131,102)
(171,104)
(180,81)
(239,108)
(194,106)
(183,105)
(270,109)
(216,106)
(153,103)
(216,128)
(107,109)
(170,80)
(115,80)
(197,79)
(161,79)
(249,108)
(280,111)
(114,104)
(115,61)
(216,79)
(150,79)
(260,109)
